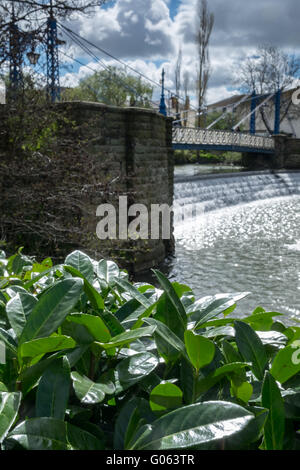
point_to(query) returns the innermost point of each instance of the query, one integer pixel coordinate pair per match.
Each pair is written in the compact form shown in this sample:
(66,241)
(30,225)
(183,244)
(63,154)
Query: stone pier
(106,152)
(285,156)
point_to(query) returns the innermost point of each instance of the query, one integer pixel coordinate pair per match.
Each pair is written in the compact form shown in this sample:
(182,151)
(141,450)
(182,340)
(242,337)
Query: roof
(228,101)
(235,98)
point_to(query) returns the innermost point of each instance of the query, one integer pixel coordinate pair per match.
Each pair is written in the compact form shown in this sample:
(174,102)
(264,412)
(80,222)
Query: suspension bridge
(185,138)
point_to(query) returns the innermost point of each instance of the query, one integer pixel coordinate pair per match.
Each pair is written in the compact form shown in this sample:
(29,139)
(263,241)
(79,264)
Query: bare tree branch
(178,78)
(204,26)
(267,71)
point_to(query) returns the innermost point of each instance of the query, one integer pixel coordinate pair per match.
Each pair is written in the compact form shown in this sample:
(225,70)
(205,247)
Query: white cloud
(143,34)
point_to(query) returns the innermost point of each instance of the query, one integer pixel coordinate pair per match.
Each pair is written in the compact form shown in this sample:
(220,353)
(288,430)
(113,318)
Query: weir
(240,233)
(211,192)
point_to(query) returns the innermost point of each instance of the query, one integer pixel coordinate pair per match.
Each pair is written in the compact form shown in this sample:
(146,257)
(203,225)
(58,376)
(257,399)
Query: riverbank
(195,169)
(182,157)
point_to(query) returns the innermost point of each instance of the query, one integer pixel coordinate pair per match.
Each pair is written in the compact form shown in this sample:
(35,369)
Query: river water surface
(243,236)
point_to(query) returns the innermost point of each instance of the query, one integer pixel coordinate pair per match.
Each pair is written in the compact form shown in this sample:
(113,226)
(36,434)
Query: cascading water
(240,232)
(215,192)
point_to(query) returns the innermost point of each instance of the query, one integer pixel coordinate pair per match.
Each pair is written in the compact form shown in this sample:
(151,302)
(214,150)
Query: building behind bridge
(290,113)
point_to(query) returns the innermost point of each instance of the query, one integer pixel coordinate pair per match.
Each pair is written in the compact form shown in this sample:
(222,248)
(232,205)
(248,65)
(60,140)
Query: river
(242,234)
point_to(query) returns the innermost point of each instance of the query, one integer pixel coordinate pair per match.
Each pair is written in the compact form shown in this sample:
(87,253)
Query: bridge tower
(277,112)
(253,117)
(53,85)
(15,58)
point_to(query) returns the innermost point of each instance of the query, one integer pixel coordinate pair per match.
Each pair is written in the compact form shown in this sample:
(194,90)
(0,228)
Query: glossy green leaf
(30,376)
(135,368)
(200,350)
(9,406)
(8,339)
(128,337)
(35,279)
(45,345)
(187,381)
(142,314)
(81,439)
(53,434)
(3,388)
(167,336)
(286,363)
(218,322)
(18,310)
(252,433)
(78,332)
(53,390)
(231,354)
(134,292)
(126,419)
(211,306)
(165,396)
(166,313)
(17,262)
(94,325)
(86,390)
(40,434)
(251,348)
(133,413)
(112,323)
(261,321)
(171,294)
(215,376)
(274,427)
(127,309)
(51,309)
(82,262)
(92,294)
(198,426)
(219,331)
(272,338)
(291,404)
(108,271)
(47,262)
(242,391)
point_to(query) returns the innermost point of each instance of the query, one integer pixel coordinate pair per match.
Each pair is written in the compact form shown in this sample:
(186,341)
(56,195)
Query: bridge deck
(201,139)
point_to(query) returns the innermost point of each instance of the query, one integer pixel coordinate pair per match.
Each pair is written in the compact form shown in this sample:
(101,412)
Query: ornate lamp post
(162,106)
(53,84)
(33,57)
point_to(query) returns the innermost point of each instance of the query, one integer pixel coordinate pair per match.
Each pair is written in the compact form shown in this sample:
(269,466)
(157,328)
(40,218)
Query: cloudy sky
(147,35)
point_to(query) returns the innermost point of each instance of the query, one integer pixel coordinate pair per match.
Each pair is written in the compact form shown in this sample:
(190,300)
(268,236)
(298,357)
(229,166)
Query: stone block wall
(103,152)
(288,151)
(286,155)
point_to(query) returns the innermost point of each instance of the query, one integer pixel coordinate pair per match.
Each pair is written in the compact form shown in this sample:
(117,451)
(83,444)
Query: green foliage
(94,361)
(114,87)
(192,156)
(224,124)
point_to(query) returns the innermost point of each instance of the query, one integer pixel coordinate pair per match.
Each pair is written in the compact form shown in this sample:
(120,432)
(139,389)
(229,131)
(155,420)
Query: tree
(186,84)
(28,18)
(112,86)
(29,10)
(224,124)
(178,81)
(270,69)
(204,26)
